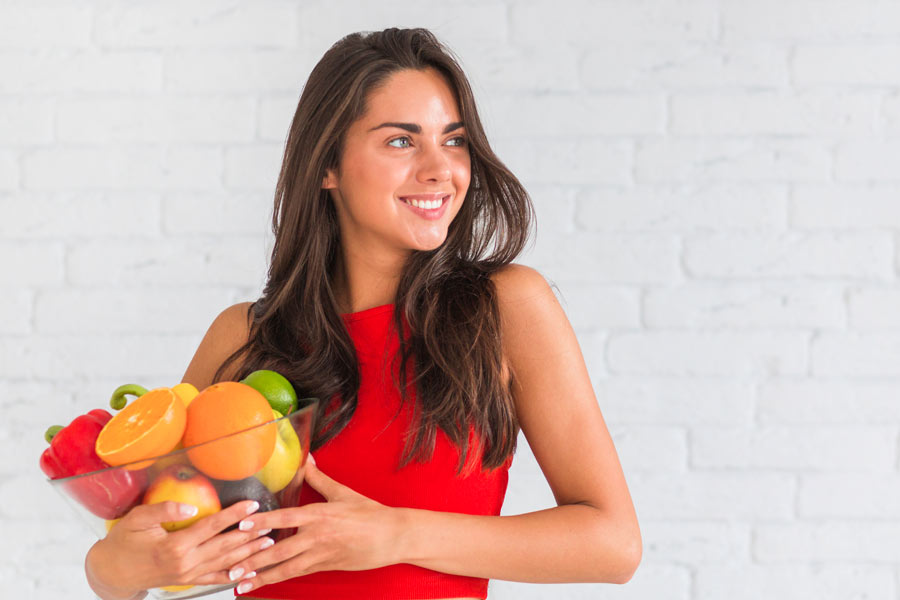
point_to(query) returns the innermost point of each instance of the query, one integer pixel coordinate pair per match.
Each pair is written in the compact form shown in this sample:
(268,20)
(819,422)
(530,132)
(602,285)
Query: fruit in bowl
(260,456)
(217,412)
(183,483)
(150,426)
(285,459)
(250,488)
(277,390)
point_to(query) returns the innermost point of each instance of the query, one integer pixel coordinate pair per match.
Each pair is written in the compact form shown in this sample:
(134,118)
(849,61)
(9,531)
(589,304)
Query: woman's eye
(460,141)
(398,140)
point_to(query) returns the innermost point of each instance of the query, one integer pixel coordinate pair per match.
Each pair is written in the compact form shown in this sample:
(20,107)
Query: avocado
(249,488)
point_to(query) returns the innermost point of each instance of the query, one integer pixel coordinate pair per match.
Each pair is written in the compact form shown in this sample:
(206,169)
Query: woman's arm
(593,535)
(93,568)
(567,544)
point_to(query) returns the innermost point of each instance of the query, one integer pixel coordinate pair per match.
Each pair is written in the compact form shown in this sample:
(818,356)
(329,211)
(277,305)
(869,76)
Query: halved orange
(150,426)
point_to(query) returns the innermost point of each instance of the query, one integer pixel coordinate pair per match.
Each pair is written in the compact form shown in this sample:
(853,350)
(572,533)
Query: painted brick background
(718,193)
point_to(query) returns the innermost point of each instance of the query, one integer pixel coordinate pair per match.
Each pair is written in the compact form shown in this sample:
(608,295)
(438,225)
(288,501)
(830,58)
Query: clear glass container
(185,475)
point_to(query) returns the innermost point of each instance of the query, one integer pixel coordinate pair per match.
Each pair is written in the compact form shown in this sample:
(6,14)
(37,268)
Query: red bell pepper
(109,494)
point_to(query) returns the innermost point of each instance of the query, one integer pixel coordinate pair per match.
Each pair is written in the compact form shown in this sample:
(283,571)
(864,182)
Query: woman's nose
(434,165)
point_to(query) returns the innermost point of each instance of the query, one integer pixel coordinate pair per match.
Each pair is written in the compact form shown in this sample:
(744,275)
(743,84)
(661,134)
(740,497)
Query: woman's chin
(426,244)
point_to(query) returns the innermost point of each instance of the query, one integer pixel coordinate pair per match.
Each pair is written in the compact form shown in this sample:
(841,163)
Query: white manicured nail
(264,531)
(235,573)
(245,525)
(244,587)
(253,507)
(266,543)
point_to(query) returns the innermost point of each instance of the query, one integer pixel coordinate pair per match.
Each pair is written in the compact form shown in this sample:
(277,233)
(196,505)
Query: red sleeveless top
(365,457)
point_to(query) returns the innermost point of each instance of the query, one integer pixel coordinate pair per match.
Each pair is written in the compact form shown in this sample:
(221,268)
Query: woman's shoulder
(231,328)
(515,283)
(516,287)
(228,332)
(236,315)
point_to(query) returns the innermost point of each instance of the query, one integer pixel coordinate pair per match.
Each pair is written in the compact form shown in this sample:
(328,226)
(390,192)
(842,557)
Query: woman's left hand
(348,532)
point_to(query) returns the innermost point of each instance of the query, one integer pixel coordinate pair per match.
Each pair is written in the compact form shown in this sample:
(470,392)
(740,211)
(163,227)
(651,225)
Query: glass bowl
(212,475)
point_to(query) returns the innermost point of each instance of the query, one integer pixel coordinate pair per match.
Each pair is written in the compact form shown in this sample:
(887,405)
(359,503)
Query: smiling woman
(392,296)
(402,181)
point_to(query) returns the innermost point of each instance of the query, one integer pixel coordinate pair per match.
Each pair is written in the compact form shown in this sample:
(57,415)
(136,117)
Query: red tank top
(365,457)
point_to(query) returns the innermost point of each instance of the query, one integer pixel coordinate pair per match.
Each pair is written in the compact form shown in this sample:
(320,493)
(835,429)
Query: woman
(393,215)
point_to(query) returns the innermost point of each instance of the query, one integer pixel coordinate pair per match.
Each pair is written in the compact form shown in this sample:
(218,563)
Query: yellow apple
(285,459)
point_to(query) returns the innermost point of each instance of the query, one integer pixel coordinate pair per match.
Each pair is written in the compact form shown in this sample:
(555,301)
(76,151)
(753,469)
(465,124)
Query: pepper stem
(118,400)
(51,432)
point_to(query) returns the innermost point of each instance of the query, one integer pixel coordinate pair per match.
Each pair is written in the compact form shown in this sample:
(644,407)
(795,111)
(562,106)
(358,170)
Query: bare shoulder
(517,283)
(524,300)
(228,332)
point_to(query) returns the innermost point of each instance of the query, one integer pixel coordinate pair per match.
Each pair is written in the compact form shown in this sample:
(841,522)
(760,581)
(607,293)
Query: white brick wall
(717,185)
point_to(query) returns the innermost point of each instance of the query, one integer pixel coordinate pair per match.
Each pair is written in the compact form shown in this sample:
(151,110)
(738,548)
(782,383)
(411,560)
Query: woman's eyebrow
(414,128)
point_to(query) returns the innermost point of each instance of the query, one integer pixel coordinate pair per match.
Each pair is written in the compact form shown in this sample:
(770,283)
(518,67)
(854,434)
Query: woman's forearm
(569,543)
(94,564)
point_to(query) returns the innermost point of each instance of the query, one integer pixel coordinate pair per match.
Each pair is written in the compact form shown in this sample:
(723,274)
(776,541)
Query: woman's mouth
(428,209)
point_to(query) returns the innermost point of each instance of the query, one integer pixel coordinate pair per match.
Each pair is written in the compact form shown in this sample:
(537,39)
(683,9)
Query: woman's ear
(329,181)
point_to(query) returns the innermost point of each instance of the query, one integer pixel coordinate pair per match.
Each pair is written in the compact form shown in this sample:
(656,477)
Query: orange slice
(150,426)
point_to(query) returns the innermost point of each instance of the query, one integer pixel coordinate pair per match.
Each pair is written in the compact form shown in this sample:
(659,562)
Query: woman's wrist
(97,567)
(404,535)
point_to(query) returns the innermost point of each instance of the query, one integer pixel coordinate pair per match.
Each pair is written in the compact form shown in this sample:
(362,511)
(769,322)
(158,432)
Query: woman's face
(410,143)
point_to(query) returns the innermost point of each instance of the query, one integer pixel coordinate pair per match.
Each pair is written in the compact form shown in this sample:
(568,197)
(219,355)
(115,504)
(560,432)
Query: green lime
(276,389)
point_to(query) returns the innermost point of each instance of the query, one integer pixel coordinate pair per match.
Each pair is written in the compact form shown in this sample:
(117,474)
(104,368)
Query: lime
(275,388)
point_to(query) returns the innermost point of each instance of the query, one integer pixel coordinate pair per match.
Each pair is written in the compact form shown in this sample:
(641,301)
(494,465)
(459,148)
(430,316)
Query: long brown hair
(445,295)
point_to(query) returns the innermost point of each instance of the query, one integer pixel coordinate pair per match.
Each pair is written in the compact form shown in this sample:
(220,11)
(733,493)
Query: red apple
(173,458)
(183,483)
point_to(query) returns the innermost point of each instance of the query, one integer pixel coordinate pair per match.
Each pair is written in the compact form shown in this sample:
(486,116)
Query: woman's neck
(365,283)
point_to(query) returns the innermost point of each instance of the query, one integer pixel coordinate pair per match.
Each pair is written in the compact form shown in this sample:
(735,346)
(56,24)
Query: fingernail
(245,525)
(188,510)
(266,543)
(312,459)
(244,587)
(253,507)
(250,574)
(235,573)
(264,531)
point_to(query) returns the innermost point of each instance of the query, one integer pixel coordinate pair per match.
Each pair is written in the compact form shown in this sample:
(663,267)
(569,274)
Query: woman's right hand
(138,554)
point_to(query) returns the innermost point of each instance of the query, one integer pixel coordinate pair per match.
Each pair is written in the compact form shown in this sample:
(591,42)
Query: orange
(150,426)
(223,409)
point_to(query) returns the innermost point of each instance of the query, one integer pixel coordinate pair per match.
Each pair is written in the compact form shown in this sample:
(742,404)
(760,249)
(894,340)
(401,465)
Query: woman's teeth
(427,204)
